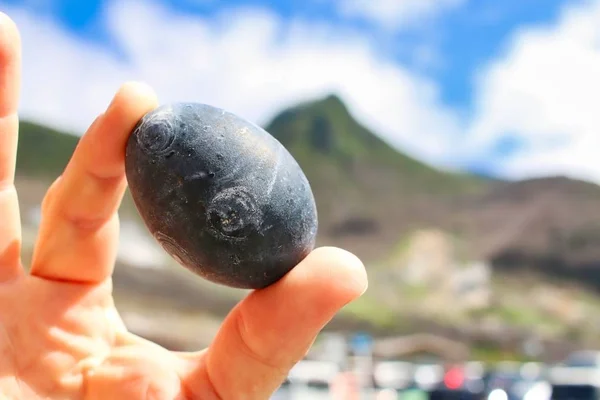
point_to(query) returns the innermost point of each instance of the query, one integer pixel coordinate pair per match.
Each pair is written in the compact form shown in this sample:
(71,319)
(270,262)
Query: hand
(61,336)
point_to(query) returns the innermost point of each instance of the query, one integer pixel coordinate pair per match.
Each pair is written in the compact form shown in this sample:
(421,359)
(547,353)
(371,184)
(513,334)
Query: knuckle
(269,358)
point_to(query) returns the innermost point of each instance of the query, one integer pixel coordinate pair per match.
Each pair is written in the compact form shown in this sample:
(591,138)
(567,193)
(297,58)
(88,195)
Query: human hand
(61,336)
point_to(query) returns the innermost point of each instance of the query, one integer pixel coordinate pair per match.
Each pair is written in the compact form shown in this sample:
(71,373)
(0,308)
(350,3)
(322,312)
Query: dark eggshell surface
(220,194)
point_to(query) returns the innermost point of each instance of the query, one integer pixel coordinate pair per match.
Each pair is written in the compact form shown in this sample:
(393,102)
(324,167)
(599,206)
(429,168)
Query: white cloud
(394,14)
(247,61)
(546,90)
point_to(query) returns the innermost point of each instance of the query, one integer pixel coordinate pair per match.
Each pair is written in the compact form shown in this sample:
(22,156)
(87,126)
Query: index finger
(10,81)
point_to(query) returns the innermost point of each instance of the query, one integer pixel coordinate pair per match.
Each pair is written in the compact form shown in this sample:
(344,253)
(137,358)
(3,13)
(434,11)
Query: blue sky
(464,37)
(501,87)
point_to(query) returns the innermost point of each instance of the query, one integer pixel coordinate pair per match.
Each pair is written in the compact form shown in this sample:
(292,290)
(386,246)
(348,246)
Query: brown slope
(548,225)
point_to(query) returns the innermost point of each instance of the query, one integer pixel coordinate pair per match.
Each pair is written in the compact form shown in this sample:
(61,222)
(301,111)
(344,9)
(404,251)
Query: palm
(60,333)
(52,329)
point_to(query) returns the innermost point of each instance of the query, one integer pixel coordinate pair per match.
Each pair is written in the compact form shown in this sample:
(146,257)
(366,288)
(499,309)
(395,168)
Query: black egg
(220,194)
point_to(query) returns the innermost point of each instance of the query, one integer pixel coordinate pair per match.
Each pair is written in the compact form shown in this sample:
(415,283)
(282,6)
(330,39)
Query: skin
(61,336)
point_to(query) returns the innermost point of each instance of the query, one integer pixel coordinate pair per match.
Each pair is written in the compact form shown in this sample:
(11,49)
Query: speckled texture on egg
(220,194)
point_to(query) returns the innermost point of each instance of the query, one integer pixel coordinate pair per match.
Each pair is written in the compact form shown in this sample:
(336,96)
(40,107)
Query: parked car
(575,392)
(575,381)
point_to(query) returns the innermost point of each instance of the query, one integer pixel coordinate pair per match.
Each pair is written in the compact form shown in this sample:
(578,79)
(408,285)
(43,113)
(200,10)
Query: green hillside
(43,152)
(324,132)
(368,193)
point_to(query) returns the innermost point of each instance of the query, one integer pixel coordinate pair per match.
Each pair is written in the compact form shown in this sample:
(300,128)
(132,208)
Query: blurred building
(428,258)
(431,261)
(472,285)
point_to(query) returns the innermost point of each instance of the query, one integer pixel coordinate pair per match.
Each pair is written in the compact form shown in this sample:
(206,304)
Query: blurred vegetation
(43,152)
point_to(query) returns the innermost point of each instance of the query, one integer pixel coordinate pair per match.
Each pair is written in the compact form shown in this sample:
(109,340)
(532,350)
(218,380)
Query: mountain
(370,195)
(549,226)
